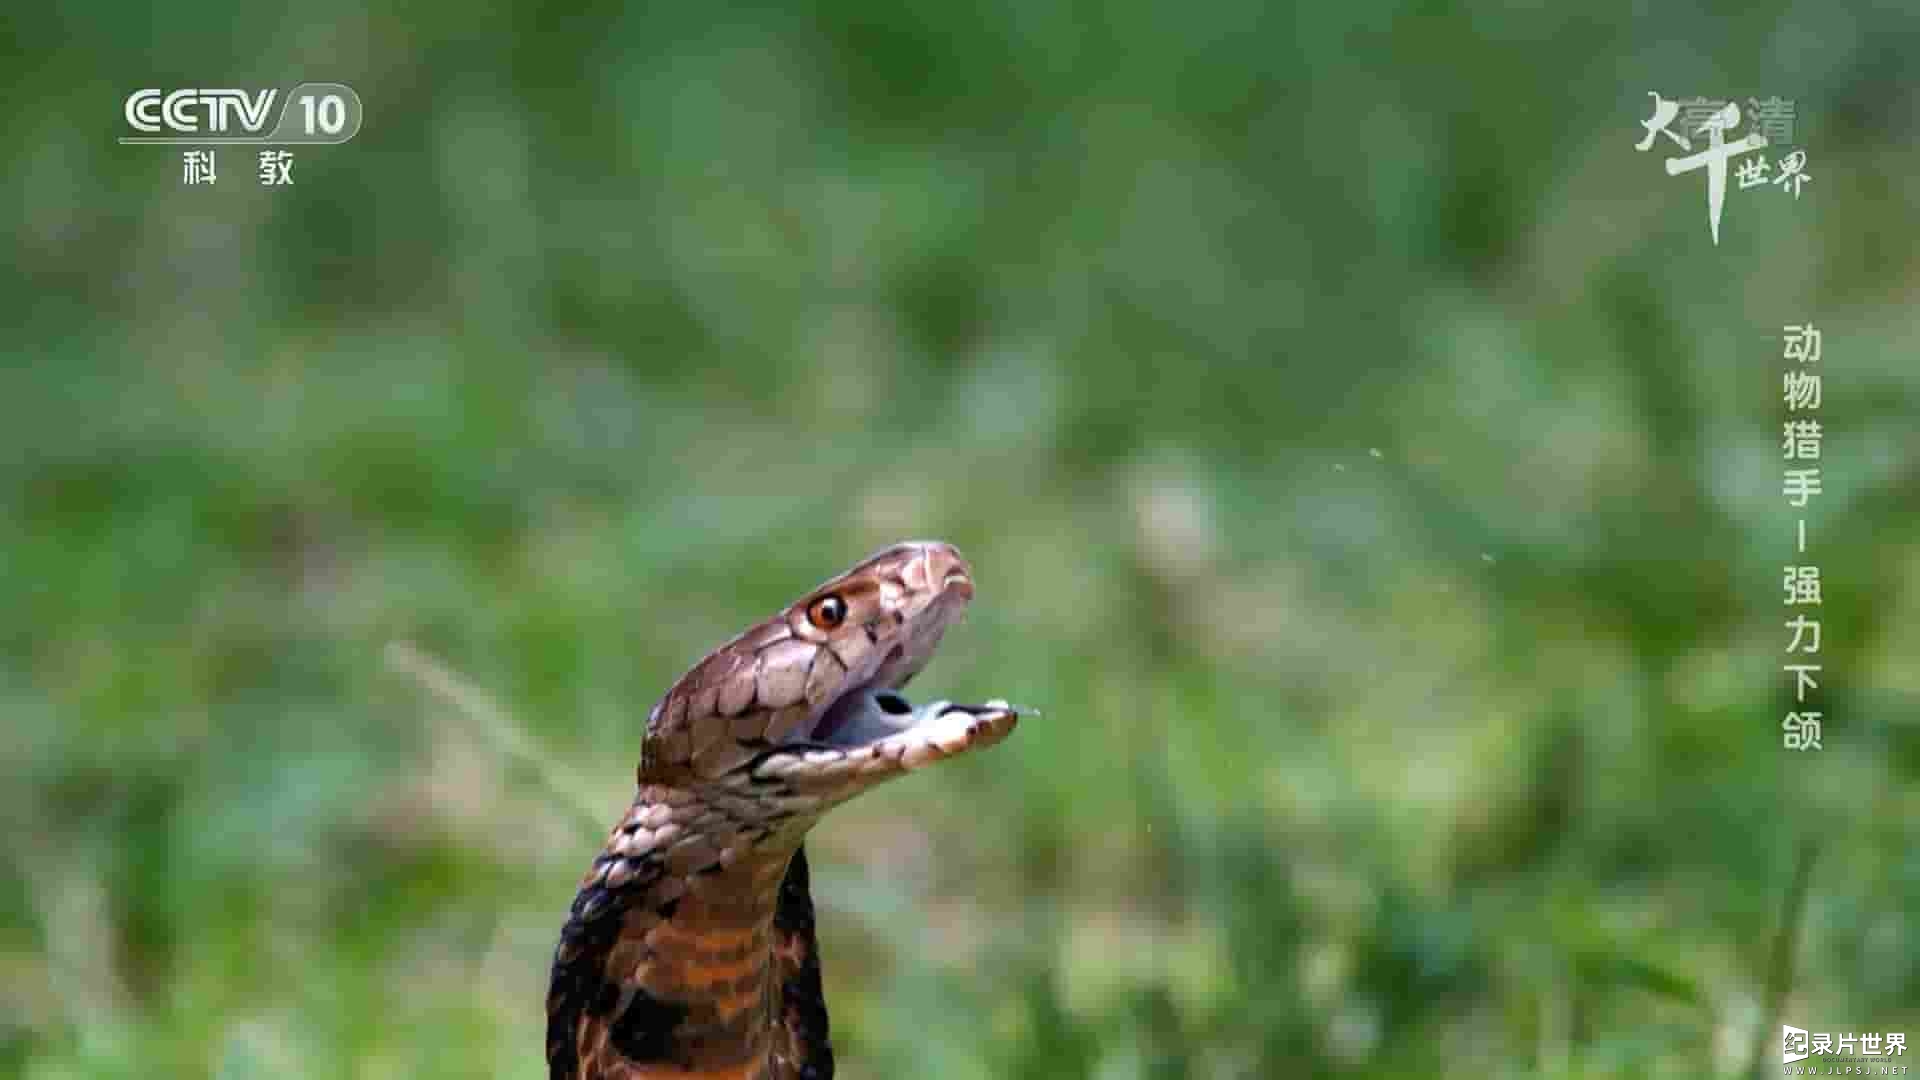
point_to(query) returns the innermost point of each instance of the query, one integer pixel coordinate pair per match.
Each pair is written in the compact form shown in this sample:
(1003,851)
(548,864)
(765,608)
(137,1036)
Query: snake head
(808,701)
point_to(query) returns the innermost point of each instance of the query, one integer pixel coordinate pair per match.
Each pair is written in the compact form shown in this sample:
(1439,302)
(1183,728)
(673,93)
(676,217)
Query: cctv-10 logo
(311,113)
(182,110)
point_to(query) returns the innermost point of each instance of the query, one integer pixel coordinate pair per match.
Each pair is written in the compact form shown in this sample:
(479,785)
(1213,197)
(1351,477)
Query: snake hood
(689,950)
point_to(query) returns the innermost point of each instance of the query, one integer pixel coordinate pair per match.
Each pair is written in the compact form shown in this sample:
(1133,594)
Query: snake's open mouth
(870,733)
(862,716)
(860,639)
(874,710)
(866,716)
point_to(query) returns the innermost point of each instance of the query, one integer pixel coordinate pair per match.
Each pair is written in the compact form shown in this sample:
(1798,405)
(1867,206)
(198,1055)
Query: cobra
(689,950)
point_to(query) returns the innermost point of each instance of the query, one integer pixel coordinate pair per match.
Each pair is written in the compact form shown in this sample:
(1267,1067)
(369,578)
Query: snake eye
(828,612)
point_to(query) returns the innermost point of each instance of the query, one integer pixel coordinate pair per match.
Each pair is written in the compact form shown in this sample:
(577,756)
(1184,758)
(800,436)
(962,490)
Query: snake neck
(690,910)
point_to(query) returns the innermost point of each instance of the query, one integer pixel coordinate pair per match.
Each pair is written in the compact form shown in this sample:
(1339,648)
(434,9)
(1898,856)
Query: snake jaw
(820,775)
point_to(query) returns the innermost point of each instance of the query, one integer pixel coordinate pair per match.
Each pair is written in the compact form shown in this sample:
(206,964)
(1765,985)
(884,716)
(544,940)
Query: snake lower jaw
(876,742)
(872,715)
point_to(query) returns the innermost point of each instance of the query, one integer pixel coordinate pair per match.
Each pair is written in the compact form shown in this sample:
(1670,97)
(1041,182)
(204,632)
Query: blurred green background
(1368,463)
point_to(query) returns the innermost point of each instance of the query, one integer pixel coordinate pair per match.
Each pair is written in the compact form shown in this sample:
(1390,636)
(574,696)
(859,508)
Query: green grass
(1367,463)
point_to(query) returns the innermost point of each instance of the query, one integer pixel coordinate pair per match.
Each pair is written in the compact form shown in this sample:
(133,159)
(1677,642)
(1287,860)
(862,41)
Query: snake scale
(689,950)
